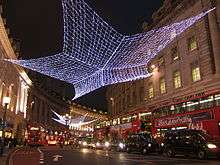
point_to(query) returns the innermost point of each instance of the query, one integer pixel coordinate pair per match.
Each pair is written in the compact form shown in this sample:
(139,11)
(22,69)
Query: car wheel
(201,154)
(144,151)
(170,152)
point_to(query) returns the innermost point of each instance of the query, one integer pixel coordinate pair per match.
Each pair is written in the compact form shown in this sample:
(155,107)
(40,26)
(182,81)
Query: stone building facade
(187,66)
(41,103)
(14,83)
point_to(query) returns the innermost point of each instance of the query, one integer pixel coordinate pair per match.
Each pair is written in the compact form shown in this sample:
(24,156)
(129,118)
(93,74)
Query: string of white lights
(94,54)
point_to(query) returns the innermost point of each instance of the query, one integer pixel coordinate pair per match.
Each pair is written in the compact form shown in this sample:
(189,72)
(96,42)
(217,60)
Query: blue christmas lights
(95,55)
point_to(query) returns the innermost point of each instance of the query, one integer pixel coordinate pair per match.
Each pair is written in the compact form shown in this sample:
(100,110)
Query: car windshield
(146,136)
(205,136)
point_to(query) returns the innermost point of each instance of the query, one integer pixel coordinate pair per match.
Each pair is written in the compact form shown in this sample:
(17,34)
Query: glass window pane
(162,86)
(196,73)
(192,44)
(206,102)
(177,79)
(174,54)
(151,91)
(192,105)
(217,99)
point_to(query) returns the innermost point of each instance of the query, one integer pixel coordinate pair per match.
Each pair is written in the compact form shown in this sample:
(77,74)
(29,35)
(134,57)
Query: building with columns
(41,103)
(186,69)
(92,117)
(14,83)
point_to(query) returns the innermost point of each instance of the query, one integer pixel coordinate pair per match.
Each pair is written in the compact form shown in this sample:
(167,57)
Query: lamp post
(67,118)
(6,102)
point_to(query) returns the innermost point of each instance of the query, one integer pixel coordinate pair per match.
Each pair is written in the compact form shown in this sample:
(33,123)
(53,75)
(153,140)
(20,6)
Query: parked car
(141,142)
(188,142)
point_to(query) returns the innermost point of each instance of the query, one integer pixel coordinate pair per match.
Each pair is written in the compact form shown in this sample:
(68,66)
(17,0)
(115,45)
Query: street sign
(56,158)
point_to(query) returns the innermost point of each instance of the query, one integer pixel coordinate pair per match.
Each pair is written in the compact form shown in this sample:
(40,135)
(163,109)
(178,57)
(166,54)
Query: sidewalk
(3,158)
(7,152)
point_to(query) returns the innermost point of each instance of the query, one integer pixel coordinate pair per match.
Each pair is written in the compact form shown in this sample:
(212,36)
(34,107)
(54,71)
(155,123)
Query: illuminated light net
(95,55)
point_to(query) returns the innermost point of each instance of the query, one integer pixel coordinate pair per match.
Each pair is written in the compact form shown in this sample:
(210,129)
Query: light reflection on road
(84,150)
(121,156)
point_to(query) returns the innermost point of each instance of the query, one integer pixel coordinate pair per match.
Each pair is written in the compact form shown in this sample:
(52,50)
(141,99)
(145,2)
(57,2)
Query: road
(67,156)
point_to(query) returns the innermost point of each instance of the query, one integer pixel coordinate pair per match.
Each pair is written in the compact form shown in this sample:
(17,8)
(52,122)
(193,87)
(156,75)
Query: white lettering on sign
(122,126)
(173,121)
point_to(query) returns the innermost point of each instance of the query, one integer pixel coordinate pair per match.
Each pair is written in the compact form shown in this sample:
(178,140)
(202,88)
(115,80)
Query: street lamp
(67,118)
(6,102)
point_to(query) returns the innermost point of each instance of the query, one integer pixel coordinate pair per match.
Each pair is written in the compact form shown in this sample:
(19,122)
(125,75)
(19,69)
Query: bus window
(165,111)
(156,113)
(206,102)
(192,105)
(159,112)
(217,99)
(172,109)
(180,108)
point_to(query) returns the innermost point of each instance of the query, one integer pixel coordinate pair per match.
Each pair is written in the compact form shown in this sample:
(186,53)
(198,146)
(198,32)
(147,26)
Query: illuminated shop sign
(191,118)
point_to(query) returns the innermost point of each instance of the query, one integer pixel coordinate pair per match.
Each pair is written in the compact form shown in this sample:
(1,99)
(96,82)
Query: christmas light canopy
(94,54)
(73,123)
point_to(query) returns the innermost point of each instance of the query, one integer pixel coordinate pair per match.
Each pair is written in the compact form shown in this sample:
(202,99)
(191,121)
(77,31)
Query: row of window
(192,105)
(197,104)
(177,82)
(124,120)
(175,56)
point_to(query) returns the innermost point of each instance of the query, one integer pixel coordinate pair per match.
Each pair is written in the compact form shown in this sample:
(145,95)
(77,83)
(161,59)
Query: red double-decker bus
(201,112)
(35,135)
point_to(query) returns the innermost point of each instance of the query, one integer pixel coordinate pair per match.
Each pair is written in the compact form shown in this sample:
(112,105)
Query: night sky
(38,25)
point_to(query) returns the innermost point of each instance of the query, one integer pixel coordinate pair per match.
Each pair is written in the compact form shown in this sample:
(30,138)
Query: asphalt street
(68,156)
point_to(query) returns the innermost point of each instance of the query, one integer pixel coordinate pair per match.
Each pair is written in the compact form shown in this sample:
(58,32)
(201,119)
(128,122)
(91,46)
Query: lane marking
(39,150)
(41,156)
(56,158)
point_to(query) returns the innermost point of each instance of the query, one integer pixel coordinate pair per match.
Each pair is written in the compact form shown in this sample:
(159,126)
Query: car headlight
(84,143)
(149,145)
(162,144)
(97,144)
(211,146)
(121,145)
(107,144)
